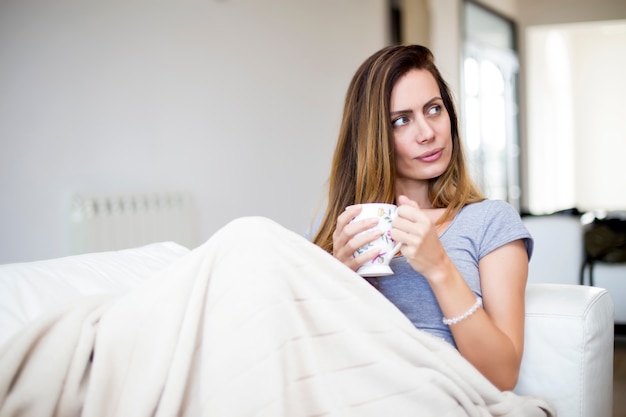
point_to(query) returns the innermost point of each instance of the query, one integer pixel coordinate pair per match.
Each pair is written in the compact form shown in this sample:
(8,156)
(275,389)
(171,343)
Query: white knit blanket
(255,322)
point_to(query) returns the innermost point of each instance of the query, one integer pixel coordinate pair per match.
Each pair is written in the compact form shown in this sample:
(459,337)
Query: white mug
(379,266)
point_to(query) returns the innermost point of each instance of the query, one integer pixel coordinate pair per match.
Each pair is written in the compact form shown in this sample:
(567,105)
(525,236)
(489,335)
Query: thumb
(404,200)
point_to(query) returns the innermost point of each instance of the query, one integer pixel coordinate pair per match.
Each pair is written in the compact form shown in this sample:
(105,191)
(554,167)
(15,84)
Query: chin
(433,172)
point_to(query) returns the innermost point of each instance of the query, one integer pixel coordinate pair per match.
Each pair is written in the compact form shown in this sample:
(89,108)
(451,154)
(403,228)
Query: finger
(339,235)
(405,237)
(348,215)
(408,208)
(407,216)
(366,257)
(347,251)
(363,239)
(359,226)
(343,244)
(348,227)
(406,201)
(418,228)
(411,213)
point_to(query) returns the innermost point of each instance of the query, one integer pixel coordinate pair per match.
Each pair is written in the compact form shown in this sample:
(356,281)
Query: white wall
(532,15)
(599,129)
(577,137)
(550,142)
(237,101)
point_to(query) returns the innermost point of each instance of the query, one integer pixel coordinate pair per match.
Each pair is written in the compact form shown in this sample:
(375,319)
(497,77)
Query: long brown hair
(363,169)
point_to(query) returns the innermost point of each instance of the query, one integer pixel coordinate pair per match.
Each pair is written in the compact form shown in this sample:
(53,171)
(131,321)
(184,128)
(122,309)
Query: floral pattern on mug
(380,258)
(387,247)
(386,216)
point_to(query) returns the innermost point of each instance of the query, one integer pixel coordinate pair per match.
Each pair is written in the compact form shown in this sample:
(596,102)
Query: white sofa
(559,254)
(568,356)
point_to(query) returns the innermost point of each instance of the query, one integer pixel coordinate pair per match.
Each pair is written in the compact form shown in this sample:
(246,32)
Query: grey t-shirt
(477,230)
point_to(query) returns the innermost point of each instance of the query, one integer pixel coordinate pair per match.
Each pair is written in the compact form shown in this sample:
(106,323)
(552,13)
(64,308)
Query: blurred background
(227,108)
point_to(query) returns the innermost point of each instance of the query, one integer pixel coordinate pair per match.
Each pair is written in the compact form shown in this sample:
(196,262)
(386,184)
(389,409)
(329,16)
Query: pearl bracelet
(472,310)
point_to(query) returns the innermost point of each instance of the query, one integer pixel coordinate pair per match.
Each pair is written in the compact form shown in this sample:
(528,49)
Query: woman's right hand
(346,241)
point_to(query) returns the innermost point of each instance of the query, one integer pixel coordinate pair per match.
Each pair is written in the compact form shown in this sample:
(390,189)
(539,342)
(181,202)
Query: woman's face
(421,127)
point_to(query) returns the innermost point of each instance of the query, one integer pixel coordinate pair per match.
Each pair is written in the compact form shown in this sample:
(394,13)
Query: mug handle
(396,249)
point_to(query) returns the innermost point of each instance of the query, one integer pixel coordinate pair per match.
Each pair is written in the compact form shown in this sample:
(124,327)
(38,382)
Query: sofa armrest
(568,351)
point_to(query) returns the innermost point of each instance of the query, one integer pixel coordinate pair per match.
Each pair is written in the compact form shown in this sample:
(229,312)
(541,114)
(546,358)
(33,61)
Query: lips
(430,156)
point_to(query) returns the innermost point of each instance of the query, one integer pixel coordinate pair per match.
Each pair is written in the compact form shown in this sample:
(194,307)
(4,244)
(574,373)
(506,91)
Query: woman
(261,314)
(464,260)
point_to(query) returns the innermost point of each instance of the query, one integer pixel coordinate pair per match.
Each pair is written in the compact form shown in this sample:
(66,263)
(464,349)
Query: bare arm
(491,338)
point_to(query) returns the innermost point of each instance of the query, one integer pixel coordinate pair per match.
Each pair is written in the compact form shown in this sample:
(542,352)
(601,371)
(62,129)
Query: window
(490,104)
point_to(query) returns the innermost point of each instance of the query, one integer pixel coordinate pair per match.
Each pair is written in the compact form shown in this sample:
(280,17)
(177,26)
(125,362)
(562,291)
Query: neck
(416,190)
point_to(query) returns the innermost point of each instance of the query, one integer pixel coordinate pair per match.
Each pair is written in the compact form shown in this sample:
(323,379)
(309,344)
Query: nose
(424,133)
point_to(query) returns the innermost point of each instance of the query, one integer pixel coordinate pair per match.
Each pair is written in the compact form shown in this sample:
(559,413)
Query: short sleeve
(502,224)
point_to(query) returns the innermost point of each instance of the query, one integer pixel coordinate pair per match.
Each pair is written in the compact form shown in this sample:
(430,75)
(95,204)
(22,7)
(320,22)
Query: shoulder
(491,208)
(490,214)
(497,223)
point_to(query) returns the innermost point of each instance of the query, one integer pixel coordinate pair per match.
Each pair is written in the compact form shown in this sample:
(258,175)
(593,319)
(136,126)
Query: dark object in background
(604,241)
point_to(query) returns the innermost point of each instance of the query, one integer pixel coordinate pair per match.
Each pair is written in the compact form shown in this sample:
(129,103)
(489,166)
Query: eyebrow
(426,105)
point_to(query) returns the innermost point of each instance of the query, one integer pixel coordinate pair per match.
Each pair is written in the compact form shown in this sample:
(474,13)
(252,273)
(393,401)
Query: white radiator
(102,222)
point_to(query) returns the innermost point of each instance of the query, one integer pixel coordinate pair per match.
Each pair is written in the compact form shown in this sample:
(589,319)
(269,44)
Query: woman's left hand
(419,237)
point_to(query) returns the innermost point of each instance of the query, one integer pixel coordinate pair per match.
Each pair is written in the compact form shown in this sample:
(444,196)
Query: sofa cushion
(29,289)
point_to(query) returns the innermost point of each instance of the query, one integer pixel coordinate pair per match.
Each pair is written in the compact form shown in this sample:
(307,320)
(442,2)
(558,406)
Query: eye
(434,110)
(400,121)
